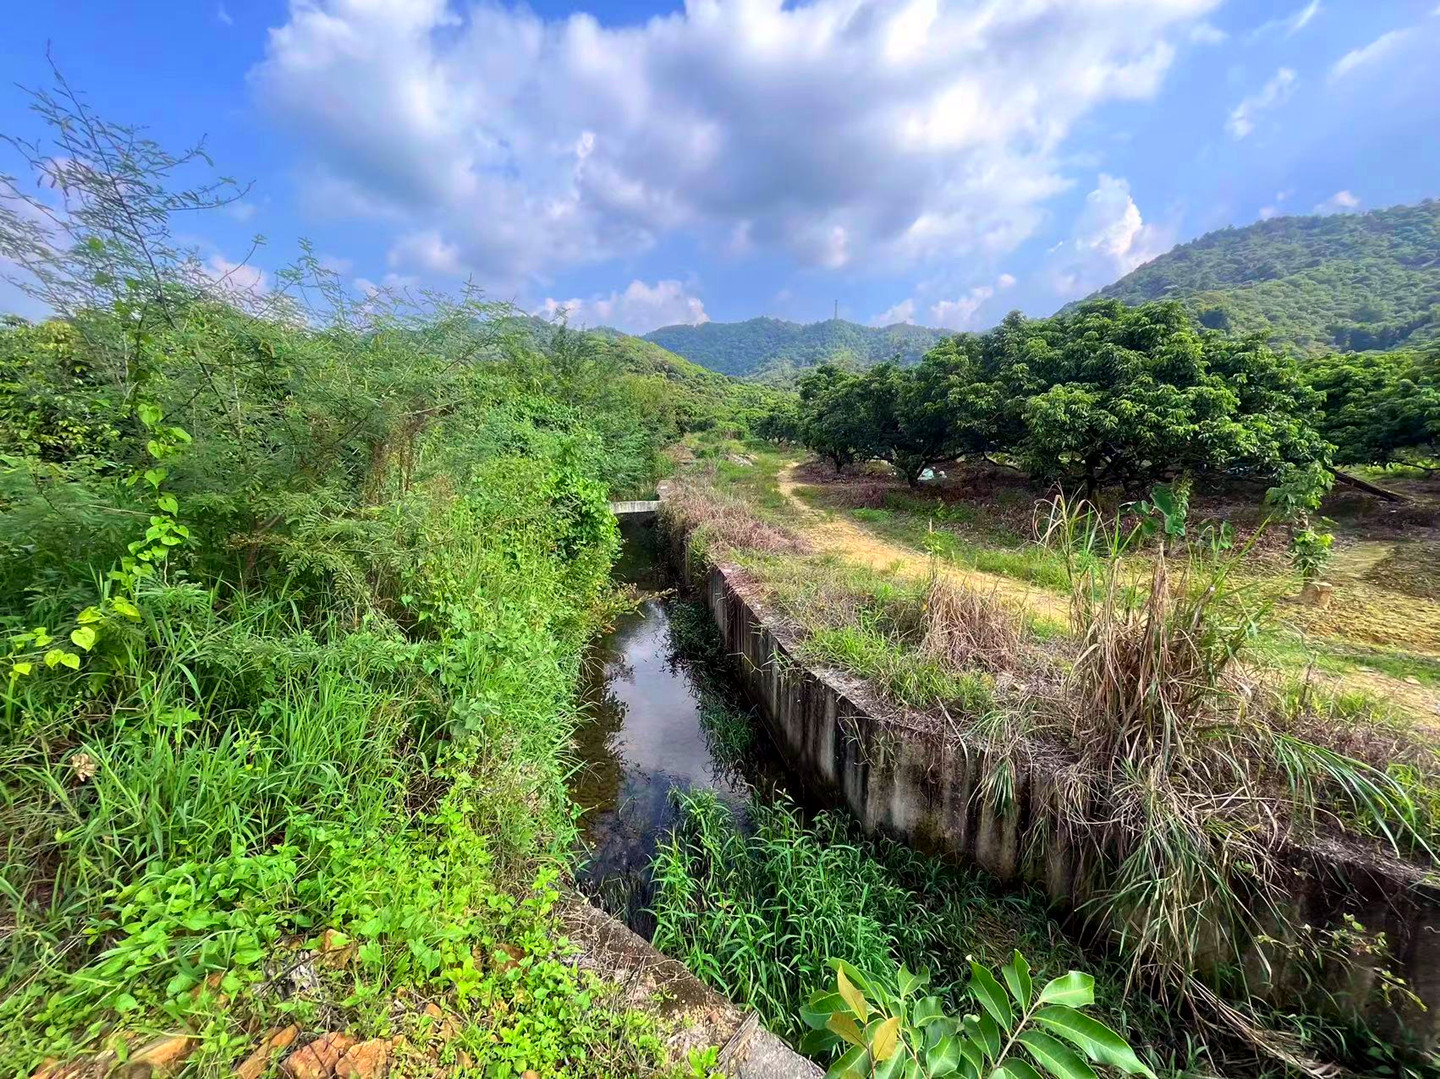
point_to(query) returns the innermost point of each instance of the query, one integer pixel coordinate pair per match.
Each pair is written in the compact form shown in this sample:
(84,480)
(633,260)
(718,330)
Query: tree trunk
(1369,488)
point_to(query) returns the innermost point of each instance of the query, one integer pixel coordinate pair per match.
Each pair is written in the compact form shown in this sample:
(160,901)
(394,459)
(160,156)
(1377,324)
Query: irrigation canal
(643,735)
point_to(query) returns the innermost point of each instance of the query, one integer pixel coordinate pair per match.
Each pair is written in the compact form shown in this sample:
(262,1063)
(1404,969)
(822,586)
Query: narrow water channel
(644,735)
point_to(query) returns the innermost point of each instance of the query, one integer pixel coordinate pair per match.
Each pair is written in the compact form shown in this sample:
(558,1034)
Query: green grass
(1338,657)
(756,911)
(899,672)
(959,533)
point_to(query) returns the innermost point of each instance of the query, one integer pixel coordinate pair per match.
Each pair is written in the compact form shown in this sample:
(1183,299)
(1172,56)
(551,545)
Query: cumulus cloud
(1110,238)
(1342,202)
(1270,96)
(904,311)
(426,250)
(957,314)
(639,309)
(1368,54)
(835,131)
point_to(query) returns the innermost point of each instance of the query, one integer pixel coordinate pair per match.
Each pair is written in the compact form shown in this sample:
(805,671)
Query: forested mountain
(773,349)
(1352,282)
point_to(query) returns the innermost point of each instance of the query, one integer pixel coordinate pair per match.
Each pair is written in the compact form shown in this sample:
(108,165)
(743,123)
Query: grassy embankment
(1313,761)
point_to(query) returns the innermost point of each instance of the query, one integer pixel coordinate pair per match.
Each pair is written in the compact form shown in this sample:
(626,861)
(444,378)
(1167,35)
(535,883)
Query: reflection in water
(643,735)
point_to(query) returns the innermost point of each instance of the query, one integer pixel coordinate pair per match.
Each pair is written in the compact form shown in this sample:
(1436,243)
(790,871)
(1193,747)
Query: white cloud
(237,277)
(1368,54)
(1110,238)
(1339,203)
(223,15)
(1272,95)
(1207,33)
(956,314)
(1267,212)
(1005,280)
(639,309)
(836,131)
(426,250)
(241,211)
(904,311)
(1290,24)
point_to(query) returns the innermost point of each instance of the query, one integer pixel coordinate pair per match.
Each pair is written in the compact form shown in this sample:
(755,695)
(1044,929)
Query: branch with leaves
(889,1028)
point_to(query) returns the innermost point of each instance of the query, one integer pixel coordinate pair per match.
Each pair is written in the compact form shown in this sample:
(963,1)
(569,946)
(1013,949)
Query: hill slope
(1347,281)
(773,349)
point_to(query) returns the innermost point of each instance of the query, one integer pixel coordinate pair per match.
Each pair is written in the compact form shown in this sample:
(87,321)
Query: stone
(336,949)
(317,1059)
(163,1056)
(365,1060)
(1317,593)
(271,1046)
(1411,680)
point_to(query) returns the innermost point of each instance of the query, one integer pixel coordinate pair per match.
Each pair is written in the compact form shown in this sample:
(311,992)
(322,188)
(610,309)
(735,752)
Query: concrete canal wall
(926,787)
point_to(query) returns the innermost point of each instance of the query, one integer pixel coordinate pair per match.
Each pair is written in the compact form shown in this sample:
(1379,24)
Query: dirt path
(840,535)
(837,534)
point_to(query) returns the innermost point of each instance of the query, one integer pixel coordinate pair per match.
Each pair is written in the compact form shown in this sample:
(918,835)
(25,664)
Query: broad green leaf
(818,1042)
(886,1040)
(168,503)
(83,638)
(944,1057)
(1093,1038)
(973,1053)
(126,608)
(845,1026)
(1055,1057)
(853,997)
(985,1033)
(815,1011)
(1017,979)
(987,991)
(23,668)
(855,1064)
(1015,1068)
(855,974)
(1073,988)
(155,476)
(905,981)
(54,657)
(89,615)
(927,1010)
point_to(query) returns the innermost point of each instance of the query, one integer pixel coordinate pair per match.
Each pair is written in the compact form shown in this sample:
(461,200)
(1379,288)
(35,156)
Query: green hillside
(1352,282)
(774,350)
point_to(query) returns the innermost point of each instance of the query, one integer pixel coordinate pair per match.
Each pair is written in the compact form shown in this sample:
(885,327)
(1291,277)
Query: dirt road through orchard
(837,534)
(842,536)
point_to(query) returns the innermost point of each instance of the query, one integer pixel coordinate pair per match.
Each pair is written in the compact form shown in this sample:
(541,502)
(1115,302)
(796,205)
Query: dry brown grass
(719,524)
(965,628)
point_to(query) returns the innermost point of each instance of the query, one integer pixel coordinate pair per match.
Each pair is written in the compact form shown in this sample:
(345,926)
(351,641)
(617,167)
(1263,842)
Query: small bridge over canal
(635,509)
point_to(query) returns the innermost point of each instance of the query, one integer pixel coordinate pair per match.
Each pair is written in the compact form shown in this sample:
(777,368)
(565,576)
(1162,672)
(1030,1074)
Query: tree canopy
(1102,394)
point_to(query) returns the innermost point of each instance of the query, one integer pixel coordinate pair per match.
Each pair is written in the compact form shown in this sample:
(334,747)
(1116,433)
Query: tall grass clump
(1194,771)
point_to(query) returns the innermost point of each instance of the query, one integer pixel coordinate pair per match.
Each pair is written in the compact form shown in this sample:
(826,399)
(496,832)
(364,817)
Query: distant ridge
(1348,282)
(775,350)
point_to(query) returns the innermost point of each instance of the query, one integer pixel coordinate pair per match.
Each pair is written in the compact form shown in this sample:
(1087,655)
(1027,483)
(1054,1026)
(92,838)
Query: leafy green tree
(836,420)
(1380,407)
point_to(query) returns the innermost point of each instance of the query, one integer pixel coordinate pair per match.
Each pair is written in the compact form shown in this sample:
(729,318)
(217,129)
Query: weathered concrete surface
(635,509)
(926,785)
(699,1016)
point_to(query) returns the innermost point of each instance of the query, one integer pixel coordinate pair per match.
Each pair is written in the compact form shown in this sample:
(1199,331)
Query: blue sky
(933,161)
